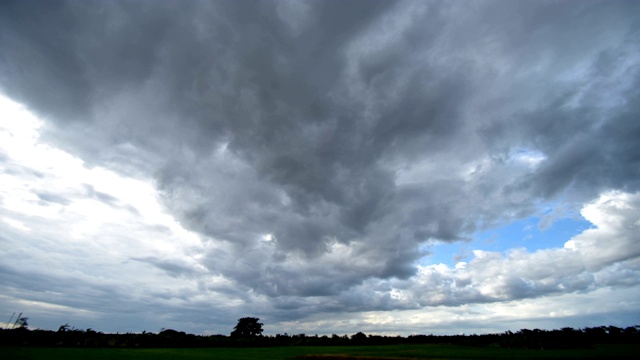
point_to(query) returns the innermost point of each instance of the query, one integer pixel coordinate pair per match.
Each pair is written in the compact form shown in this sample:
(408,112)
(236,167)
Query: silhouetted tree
(247,327)
(358,338)
(22,323)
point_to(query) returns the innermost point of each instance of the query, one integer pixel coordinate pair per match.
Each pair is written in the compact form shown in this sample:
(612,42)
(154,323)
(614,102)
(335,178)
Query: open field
(319,352)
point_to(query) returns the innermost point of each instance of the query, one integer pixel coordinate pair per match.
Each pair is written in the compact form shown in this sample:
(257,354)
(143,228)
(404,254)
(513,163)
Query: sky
(390,167)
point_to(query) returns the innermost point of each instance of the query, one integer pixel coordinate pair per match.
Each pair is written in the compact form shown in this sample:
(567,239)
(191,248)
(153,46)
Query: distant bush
(565,338)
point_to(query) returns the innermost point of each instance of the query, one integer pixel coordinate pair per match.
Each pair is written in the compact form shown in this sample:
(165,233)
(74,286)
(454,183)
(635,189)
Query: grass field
(317,352)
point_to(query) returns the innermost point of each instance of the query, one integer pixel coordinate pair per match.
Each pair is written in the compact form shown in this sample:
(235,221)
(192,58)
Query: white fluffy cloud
(587,262)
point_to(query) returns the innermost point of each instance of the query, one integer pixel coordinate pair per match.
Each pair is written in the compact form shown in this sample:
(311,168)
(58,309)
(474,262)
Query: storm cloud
(314,152)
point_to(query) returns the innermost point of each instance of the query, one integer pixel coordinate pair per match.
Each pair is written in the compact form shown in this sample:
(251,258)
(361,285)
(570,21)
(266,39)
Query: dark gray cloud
(586,132)
(318,147)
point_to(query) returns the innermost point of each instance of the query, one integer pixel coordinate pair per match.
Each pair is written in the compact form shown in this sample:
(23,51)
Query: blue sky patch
(526,233)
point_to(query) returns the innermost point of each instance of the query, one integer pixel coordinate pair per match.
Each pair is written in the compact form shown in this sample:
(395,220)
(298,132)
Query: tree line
(248,333)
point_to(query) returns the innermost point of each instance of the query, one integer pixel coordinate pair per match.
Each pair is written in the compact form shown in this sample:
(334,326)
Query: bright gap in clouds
(62,172)
(90,228)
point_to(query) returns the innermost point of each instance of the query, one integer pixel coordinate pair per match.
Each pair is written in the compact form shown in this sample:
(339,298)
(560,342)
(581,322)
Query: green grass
(343,352)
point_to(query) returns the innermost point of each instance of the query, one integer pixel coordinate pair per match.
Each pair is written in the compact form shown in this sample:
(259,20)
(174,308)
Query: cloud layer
(295,158)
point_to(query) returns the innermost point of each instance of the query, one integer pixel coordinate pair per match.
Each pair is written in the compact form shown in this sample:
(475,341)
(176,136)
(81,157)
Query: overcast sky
(327,166)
